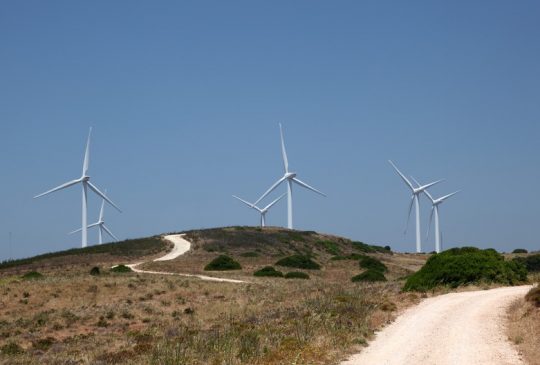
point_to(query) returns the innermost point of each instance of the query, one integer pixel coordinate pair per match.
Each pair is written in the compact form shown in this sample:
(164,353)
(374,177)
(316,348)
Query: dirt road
(181,246)
(453,329)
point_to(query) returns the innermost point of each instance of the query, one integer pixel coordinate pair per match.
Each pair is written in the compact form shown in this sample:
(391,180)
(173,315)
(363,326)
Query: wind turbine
(435,211)
(414,199)
(84,180)
(100,224)
(264,210)
(290,178)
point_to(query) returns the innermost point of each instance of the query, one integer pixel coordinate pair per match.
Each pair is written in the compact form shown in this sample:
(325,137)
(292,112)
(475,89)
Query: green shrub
(95,271)
(370,276)
(299,262)
(533,296)
(352,256)
(11,348)
(463,266)
(532,262)
(330,247)
(32,275)
(268,271)
(296,275)
(370,263)
(364,247)
(520,250)
(121,269)
(249,254)
(222,263)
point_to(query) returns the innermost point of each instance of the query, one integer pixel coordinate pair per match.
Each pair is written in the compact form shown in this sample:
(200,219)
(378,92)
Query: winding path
(181,246)
(452,329)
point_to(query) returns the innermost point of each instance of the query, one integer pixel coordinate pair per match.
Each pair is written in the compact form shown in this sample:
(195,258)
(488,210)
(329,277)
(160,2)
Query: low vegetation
(369,276)
(533,296)
(299,262)
(222,263)
(296,275)
(363,247)
(122,269)
(464,266)
(371,263)
(520,250)
(524,325)
(268,271)
(32,275)
(531,262)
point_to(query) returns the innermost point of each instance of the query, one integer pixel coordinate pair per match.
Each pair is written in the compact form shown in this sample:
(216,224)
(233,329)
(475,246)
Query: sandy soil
(181,246)
(457,328)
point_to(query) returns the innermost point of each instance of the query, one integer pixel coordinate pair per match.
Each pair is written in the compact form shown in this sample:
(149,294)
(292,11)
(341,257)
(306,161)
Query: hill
(113,318)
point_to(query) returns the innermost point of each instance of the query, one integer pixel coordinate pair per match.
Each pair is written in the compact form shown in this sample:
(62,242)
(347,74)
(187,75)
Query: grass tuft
(32,275)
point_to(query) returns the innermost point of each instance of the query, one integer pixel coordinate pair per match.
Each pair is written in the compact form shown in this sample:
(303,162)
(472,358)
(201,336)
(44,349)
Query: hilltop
(112,318)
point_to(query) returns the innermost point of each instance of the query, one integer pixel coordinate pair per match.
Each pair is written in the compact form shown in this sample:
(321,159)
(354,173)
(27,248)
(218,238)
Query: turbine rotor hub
(290,175)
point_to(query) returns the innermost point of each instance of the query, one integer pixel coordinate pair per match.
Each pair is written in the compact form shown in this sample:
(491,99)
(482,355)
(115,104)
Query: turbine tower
(414,199)
(84,180)
(290,178)
(264,210)
(100,224)
(435,211)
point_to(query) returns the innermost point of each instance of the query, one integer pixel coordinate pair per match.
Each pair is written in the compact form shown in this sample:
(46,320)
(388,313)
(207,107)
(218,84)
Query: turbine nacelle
(290,175)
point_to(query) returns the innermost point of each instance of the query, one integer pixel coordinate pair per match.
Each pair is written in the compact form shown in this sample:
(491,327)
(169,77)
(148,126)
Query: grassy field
(72,317)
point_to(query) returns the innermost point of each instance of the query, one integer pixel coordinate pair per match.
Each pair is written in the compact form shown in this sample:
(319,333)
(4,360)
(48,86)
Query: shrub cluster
(222,263)
(520,250)
(95,271)
(299,262)
(370,276)
(121,269)
(533,296)
(268,271)
(371,263)
(352,256)
(32,275)
(364,247)
(463,266)
(296,275)
(532,262)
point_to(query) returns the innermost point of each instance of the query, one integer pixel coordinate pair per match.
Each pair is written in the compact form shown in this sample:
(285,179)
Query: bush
(249,254)
(364,247)
(296,275)
(95,271)
(352,256)
(370,263)
(533,296)
(299,262)
(222,263)
(11,348)
(32,275)
(520,250)
(463,266)
(268,271)
(330,247)
(370,276)
(121,269)
(532,262)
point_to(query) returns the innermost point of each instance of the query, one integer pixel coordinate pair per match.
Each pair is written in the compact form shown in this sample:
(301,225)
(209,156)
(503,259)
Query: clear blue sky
(185,98)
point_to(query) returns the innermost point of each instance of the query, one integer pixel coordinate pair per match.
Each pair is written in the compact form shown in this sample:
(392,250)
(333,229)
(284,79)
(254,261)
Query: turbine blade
(425,191)
(270,190)
(102,210)
(87,154)
(422,188)
(301,183)
(409,216)
(449,195)
(430,220)
(244,201)
(96,190)
(283,151)
(109,232)
(274,202)
(63,186)
(78,230)
(93,225)
(402,176)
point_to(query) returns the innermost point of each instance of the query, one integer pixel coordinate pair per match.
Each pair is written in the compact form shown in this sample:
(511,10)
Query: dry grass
(524,329)
(71,317)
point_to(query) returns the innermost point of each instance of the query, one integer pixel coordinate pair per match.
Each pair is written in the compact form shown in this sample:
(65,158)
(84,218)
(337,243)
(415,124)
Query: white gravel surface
(465,328)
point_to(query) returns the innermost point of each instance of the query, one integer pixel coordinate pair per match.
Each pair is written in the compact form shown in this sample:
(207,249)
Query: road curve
(181,246)
(451,329)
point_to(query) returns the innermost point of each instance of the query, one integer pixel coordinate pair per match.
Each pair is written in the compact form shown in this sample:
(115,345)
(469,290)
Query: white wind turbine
(264,210)
(414,198)
(100,224)
(84,180)
(289,177)
(435,211)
